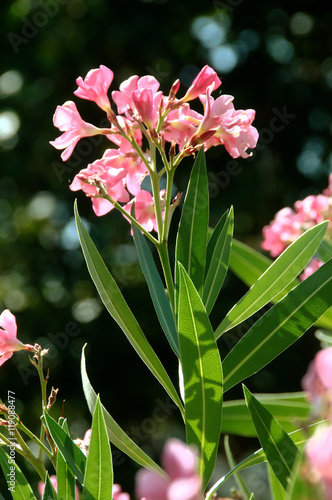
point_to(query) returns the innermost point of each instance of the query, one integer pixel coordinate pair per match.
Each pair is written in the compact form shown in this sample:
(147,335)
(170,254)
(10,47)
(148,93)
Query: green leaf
(291,410)
(299,437)
(325,251)
(65,477)
(157,290)
(277,491)
(248,265)
(213,236)
(202,375)
(70,452)
(281,273)
(115,434)
(49,493)
(279,449)
(116,305)
(280,327)
(21,489)
(193,227)
(218,264)
(98,478)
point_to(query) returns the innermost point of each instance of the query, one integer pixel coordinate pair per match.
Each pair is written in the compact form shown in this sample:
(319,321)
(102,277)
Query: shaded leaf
(21,490)
(279,449)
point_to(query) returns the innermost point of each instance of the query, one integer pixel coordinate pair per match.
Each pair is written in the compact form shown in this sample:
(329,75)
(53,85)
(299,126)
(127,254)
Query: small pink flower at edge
(95,86)
(180,463)
(319,454)
(68,120)
(8,337)
(53,479)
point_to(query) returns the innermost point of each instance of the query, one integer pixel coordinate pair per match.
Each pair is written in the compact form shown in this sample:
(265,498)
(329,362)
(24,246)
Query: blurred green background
(273,56)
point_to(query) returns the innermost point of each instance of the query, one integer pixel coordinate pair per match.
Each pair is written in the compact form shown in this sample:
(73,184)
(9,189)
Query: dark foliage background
(273,56)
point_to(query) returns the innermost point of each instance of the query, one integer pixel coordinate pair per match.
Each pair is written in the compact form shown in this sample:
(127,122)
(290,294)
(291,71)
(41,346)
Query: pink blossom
(313,265)
(147,105)
(313,208)
(180,463)
(124,98)
(8,337)
(118,494)
(285,228)
(89,179)
(95,86)
(205,78)
(181,124)
(318,451)
(53,479)
(144,210)
(317,382)
(84,443)
(68,120)
(126,158)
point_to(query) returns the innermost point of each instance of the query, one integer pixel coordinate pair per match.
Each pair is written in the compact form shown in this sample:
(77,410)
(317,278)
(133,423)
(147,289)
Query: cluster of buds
(148,121)
(288,224)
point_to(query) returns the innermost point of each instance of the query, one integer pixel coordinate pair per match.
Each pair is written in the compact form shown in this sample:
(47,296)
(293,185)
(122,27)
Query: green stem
(26,452)
(164,259)
(43,384)
(34,438)
(168,213)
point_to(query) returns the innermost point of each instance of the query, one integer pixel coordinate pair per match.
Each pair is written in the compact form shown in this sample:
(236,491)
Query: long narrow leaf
(21,489)
(249,265)
(118,308)
(214,235)
(291,410)
(157,290)
(281,273)
(65,477)
(280,327)
(98,478)
(279,449)
(70,452)
(237,476)
(218,265)
(115,434)
(193,227)
(202,375)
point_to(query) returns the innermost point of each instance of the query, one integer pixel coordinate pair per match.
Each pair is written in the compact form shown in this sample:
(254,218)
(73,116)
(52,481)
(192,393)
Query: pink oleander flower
(84,443)
(180,463)
(126,158)
(118,494)
(95,86)
(147,106)
(8,337)
(313,208)
(181,124)
(206,77)
(53,479)
(112,180)
(68,120)
(125,101)
(144,209)
(285,228)
(317,382)
(318,451)
(312,267)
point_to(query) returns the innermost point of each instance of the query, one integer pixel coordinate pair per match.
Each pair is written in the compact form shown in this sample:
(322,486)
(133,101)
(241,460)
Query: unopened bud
(174,89)
(52,397)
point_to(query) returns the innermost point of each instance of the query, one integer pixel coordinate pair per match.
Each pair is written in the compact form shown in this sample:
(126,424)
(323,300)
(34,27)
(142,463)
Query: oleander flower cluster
(317,382)
(147,122)
(290,223)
